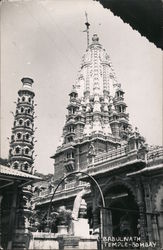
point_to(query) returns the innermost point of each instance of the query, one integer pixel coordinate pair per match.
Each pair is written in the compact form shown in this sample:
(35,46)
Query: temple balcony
(24,115)
(64,147)
(126,159)
(155,156)
(25,104)
(69,164)
(22,157)
(70,116)
(122,115)
(115,160)
(73,101)
(118,99)
(21,142)
(70,190)
(98,135)
(19,128)
(68,133)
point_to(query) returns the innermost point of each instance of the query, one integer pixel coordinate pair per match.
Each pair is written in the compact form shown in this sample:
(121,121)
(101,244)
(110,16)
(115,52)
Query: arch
(115,181)
(19,135)
(26,165)
(22,110)
(16,165)
(26,151)
(20,122)
(17,150)
(27,136)
(28,123)
(121,216)
(23,99)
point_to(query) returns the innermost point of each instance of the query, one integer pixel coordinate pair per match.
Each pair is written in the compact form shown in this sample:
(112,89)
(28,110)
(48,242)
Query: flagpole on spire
(87,28)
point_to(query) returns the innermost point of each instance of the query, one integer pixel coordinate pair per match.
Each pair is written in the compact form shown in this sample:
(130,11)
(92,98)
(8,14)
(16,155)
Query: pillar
(155,229)
(22,234)
(107,222)
(95,219)
(142,211)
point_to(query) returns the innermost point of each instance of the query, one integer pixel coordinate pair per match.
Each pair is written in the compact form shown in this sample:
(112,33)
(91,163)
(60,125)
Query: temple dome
(96,74)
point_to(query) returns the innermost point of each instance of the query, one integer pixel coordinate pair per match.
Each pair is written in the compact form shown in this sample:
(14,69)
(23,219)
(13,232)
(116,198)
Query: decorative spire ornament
(87,28)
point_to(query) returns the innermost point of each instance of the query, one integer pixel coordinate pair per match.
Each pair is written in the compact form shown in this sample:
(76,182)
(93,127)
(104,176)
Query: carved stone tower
(21,145)
(97,115)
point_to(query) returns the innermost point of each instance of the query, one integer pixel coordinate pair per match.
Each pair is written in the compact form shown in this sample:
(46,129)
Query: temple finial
(87,28)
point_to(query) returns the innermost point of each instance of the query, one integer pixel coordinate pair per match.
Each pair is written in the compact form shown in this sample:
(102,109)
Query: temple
(99,141)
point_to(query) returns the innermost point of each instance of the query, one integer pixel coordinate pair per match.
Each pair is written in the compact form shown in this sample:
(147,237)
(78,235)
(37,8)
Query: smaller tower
(123,117)
(21,145)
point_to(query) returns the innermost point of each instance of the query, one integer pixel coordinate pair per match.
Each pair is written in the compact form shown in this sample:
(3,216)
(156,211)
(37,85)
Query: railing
(66,160)
(122,156)
(70,185)
(112,154)
(64,146)
(96,135)
(155,153)
(68,191)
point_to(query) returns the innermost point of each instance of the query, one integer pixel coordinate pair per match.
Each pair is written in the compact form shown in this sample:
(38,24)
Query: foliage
(63,216)
(41,221)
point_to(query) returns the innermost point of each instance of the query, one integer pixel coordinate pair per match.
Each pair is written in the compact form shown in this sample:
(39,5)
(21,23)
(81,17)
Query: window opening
(26,151)
(17,150)
(20,122)
(19,135)
(26,166)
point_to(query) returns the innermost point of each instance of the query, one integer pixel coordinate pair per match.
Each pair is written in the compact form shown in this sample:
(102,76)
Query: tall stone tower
(97,120)
(21,145)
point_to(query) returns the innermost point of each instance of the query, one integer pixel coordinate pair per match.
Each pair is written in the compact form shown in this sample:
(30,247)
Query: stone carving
(77,202)
(92,150)
(82,209)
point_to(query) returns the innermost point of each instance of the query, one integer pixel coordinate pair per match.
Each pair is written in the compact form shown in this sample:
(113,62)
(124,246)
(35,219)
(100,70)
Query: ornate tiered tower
(97,115)
(21,146)
(99,142)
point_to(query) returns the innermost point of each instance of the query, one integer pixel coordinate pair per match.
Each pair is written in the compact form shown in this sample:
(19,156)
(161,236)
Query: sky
(44,40)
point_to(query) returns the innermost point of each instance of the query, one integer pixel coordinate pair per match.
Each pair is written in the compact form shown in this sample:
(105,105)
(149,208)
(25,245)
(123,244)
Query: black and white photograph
(81,163)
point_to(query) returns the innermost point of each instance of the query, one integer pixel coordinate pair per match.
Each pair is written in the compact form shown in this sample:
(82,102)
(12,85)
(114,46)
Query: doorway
(121,217)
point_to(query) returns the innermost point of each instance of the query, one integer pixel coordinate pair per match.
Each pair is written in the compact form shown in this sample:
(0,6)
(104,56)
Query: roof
(147,170)
(16,173)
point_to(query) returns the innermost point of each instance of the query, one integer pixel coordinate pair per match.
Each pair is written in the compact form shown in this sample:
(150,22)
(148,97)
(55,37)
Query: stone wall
(43,241)
(46,241)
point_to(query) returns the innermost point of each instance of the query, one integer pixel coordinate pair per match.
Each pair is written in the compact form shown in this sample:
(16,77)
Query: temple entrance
(121,216)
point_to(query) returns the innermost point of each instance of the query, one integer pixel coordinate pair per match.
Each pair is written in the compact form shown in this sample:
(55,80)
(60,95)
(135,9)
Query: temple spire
(87,28)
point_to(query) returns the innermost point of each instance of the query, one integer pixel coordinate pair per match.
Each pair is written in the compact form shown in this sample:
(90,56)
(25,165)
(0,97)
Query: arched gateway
(121,215)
